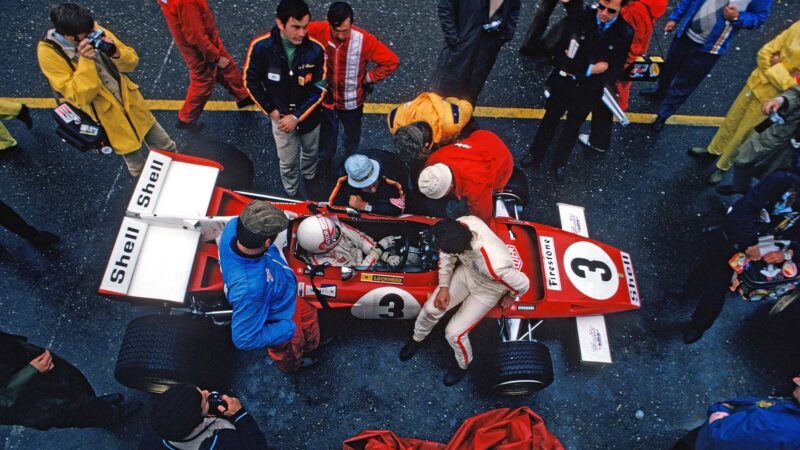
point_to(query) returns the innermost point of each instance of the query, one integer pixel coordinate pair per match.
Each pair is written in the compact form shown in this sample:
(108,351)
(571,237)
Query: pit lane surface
(645,196)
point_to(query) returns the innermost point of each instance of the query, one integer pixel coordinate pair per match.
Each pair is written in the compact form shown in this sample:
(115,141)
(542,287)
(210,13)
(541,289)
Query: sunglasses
(601,7)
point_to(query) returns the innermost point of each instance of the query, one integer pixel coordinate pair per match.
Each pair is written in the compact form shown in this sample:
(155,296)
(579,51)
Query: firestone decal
(548,250)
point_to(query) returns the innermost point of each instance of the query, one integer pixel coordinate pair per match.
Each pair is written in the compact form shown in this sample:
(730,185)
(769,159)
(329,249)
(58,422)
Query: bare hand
(774,59)
(772,105)
(223,62)
(287,123)
(234,406)
(717,415)
(730,13)
(357,202)
(774,257)
(86,50)
(795,73)
(111,41)
(442,299)
(43,363)
(599,67)
(753,253)
(669,26)
(507,301)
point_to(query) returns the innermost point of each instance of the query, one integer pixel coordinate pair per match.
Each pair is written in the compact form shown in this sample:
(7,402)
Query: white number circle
(591,270)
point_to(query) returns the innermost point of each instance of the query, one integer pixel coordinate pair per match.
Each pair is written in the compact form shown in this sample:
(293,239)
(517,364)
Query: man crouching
(261,288)
(485,276)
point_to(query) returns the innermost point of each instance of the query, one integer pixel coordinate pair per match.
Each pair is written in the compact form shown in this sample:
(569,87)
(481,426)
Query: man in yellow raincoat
(778,70)
(97,82)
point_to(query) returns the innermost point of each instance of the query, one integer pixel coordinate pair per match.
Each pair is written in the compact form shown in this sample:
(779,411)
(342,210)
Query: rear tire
(159,351)
(521,367)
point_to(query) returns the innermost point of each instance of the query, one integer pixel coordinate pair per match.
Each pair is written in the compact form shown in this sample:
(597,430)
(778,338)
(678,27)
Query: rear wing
(156,244)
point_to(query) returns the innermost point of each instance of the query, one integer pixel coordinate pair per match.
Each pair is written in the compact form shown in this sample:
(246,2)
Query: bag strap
(60,51)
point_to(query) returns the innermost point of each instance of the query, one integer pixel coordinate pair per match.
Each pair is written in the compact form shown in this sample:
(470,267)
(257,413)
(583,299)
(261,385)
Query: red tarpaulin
(502,429)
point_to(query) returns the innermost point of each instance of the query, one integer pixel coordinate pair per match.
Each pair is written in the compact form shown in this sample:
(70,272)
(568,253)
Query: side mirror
(347,273)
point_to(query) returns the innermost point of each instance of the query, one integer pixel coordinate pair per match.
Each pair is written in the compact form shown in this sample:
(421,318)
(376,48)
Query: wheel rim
(518,387)
(157,385)
(783,303)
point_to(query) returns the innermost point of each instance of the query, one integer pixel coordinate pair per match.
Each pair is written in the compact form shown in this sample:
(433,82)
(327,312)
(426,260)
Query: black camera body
(96,40)
(215,400)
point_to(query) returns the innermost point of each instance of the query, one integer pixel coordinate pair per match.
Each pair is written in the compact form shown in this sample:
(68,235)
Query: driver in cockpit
(327,240)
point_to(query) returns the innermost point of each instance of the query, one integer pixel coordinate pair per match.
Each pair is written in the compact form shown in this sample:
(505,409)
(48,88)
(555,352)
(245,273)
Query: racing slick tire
(159,351)
(518,185)
(238,168)
(521,367)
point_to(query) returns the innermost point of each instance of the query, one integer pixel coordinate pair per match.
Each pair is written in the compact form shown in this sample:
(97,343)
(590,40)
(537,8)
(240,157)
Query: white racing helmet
(318,234)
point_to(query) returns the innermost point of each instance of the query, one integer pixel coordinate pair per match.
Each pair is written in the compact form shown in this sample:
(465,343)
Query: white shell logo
(591,270)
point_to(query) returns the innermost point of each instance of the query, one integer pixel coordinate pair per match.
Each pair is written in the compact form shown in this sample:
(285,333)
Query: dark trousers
(602,120)
(568,96)
(466,81)
(15,223)
(541,17)
(329,131)
(688,441)
(709,281)
(686,67)
(88,413)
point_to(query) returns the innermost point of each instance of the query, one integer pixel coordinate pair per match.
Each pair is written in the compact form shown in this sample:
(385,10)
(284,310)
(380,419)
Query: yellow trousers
(742,117)
(8,111)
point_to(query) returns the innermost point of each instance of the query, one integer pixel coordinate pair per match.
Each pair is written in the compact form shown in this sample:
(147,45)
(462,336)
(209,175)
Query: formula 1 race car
(165,255)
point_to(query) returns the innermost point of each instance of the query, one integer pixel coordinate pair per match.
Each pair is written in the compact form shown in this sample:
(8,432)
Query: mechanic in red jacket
(466,172)
(195,33)
(348,49)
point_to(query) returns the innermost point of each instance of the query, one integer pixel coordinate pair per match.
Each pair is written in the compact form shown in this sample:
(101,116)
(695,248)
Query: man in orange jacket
(195,33)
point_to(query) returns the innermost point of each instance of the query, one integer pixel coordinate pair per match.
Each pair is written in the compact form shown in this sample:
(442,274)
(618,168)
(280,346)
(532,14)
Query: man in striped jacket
(484,277)
(348,49)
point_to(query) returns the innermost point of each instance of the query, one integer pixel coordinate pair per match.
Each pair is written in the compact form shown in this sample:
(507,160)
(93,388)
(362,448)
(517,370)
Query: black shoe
(584,140)
(454,375)
(124,411)
(691,334)
(410,349)
(114,399)
(245,102)
(194,127)
(529,159)
(658,124)
(43,239)
(24,116)
(653,93)
(308,362)
(559,172)
(728,190)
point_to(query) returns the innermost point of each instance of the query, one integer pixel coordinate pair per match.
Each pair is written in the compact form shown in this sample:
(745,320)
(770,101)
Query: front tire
(521,368)
(160,351)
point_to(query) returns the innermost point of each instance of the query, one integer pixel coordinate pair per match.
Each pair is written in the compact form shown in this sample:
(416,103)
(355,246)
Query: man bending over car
(329,241)
(261,288)
(485,275)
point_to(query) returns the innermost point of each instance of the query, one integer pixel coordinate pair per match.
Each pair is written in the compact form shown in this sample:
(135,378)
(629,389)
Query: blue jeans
(351,131)
(686,67)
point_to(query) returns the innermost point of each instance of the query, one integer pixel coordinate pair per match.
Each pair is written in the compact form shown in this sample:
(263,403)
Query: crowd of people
(311,78)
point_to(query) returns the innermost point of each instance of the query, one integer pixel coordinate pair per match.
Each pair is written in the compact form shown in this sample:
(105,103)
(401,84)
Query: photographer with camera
(88,66)
(187,417)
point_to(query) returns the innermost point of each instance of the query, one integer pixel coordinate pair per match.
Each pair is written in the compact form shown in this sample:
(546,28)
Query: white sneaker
(584,140)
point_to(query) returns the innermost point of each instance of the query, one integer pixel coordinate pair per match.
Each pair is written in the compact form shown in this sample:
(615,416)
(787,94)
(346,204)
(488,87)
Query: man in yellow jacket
(425,123)
(96,82)
(778,70)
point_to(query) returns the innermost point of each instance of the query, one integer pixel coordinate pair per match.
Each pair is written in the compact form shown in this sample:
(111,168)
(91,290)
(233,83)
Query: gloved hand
(392,260)
(387,242)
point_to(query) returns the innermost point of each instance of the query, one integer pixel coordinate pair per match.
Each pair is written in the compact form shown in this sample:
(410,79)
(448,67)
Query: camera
(215,400)
(95,39)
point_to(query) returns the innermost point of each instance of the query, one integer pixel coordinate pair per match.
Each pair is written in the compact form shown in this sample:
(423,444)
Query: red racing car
(165,255)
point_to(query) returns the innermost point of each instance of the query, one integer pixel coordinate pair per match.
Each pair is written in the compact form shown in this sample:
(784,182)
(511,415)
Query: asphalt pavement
(645,196)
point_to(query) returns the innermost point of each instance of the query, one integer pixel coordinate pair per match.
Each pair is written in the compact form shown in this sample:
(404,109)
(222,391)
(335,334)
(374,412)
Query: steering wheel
(402,252)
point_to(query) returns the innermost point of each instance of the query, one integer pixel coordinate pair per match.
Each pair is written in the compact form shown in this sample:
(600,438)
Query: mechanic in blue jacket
(705,31)
(748,423)
(261,288)
(777,194)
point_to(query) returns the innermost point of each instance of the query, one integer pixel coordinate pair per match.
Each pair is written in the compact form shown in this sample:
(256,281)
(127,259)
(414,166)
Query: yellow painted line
(384,108)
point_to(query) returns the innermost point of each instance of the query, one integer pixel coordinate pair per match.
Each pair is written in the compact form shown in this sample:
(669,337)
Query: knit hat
(361,171)
(258,222)
(177,412)
(409,142)
(435,181)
